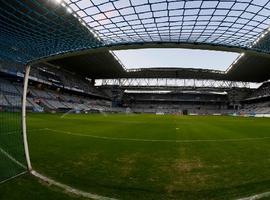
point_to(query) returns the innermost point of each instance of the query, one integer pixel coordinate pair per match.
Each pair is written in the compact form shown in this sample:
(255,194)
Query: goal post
(24,98)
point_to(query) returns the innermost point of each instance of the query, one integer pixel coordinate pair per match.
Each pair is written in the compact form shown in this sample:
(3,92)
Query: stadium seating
(10,96)
(3,100)
(262,91)
(5,86)
(78,94)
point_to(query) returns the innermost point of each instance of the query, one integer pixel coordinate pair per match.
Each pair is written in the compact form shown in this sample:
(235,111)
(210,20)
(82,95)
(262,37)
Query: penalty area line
(149,140)
(69,189)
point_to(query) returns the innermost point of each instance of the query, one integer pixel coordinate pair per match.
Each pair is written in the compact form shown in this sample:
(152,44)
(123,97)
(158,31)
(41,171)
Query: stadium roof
(94,65)
(40,30)
(103,65)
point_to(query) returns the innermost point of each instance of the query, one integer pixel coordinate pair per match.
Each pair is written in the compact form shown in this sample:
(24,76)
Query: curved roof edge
(152,45)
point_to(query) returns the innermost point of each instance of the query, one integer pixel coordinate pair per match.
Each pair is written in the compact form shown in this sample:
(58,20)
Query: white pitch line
(256,196)
(69,189)
(13,177)
(12,132)
(12,158)
(148,140)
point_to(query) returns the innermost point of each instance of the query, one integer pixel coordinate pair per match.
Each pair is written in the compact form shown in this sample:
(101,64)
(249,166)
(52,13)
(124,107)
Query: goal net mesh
(12,158)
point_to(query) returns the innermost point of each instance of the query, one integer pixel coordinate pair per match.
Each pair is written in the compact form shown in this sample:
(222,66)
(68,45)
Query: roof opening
(176,58)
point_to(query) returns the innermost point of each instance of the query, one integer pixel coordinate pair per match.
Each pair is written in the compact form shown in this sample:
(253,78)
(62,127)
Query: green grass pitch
(150,156)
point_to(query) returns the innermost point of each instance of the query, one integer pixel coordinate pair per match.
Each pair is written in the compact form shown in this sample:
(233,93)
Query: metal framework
(227,22)
(167,82)
(35,29)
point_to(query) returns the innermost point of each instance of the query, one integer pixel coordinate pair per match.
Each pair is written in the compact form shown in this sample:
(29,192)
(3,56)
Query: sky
(183,58)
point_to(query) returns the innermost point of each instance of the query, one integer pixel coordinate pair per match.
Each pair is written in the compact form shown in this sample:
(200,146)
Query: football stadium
(134,99)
